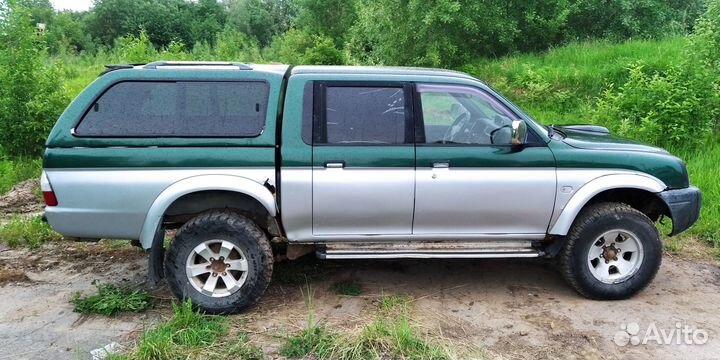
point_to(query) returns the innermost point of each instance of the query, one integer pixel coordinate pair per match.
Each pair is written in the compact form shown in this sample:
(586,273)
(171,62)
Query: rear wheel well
(190,205)
(644,201)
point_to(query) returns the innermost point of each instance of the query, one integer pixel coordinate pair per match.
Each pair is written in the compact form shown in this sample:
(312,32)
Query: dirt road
(499,309)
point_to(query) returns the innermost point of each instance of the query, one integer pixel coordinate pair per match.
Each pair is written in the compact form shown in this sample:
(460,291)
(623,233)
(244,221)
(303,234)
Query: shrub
(663,108)
(678,107)
(301,47)
(32,95)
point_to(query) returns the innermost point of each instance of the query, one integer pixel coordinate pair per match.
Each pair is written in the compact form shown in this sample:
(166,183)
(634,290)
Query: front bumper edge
(684,206)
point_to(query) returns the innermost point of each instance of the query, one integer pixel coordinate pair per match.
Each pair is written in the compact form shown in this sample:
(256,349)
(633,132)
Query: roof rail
(113,67)
(156,64)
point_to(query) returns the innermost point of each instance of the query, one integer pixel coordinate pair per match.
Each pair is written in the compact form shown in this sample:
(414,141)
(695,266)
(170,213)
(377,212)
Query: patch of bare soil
(21,199)
(497,309)
(12,276)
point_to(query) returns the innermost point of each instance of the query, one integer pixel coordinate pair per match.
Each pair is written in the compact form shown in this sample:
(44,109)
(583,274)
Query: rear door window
(178,109)
(365,115)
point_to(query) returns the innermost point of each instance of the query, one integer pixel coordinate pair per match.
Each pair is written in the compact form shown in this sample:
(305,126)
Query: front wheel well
(644,201)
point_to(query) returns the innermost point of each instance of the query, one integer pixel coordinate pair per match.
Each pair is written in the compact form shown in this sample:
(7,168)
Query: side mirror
(519,132)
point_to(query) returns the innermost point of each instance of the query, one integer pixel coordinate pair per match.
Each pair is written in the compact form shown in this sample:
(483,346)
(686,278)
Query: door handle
(441,164)
(335,164)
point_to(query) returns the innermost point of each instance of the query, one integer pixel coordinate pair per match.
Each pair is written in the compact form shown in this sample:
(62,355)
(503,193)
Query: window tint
(364,115)
(212,109)
(460,115)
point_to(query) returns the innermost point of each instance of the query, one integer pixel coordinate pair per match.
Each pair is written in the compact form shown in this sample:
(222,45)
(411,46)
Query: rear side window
(167,109)
(363,115)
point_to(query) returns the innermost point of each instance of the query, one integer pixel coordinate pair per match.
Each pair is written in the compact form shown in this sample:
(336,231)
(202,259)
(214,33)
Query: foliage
(31,95)
(678,107)
(301,47)
(666,109)
(32,232)
(18,170)
(112,299)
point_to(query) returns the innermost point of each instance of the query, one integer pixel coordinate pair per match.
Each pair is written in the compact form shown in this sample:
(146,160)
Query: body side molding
(569,212)
(202,183)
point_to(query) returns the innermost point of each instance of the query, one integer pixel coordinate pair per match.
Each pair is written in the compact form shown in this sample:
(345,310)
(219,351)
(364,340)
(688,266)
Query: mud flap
(156,271)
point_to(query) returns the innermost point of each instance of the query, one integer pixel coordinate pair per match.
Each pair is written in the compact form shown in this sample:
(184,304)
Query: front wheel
(612,252)
(221,261)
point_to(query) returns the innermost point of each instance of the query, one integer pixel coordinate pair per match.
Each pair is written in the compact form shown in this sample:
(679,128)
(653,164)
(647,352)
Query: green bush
(301,47)
(678,107)
(668,109)
(32,95)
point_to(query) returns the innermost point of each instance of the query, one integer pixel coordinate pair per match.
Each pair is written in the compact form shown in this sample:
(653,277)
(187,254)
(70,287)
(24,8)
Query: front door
(470,179)
(363,177)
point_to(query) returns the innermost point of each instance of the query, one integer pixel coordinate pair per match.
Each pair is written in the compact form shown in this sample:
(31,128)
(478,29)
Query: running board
(430,250)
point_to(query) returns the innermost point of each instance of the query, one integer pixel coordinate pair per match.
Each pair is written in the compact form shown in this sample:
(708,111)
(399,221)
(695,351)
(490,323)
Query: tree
(31,95)
(332,18)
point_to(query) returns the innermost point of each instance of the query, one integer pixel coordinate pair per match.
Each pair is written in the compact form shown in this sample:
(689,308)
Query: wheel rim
(615,256)
(217,268)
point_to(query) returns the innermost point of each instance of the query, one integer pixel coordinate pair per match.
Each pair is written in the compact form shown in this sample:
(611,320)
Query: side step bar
(430,250)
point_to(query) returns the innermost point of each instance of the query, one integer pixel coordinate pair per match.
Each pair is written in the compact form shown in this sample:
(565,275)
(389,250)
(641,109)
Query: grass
(350,287)
(112,299)
(31,232)
(187,334)
(703,167)
(560,85)
(390,335)
(15,171)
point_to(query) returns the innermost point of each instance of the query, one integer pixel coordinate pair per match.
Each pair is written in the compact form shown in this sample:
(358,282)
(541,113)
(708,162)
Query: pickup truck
(251,164)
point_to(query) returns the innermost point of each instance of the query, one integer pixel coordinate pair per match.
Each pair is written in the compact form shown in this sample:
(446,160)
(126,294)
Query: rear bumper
(684,205)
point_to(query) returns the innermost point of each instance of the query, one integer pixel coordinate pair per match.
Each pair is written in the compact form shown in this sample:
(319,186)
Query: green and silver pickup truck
(252,164)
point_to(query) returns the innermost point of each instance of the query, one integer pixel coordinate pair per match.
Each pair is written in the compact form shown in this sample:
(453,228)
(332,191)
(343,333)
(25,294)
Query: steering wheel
(456,126)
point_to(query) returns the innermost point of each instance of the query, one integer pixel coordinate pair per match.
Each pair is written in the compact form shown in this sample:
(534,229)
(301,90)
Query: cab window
(463,115)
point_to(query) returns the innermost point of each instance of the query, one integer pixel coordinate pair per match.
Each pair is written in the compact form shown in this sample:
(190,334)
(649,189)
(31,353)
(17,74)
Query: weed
(348,287)
(112,299)
(30,232)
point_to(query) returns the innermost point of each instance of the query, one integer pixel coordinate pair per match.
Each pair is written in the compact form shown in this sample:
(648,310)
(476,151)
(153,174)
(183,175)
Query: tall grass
(560,85)
(13,171)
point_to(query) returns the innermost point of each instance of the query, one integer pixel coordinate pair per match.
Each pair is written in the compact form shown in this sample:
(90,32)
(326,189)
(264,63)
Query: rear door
(470,179)
(363,177)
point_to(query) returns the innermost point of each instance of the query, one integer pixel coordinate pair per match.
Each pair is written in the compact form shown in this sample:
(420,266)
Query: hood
(594,138)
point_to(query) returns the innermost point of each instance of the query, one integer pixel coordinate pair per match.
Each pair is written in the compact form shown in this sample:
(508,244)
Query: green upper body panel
(579,149)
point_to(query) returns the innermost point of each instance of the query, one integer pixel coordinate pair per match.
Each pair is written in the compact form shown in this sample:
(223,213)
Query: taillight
(50,199)
(48,194)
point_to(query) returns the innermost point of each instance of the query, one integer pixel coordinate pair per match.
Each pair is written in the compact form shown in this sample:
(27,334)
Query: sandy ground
(505,309)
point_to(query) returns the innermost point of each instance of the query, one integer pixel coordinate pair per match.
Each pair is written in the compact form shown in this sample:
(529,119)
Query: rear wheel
(612,252)
(221,261)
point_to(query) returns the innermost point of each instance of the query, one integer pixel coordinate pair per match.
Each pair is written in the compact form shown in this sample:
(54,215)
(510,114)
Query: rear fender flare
(239,184)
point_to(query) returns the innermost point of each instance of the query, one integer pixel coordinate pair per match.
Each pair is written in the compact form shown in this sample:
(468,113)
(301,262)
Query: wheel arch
(637,190)
(180,190)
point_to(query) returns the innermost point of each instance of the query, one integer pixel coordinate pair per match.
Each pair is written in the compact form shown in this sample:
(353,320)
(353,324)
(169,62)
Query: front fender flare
(193,184)
(603,183)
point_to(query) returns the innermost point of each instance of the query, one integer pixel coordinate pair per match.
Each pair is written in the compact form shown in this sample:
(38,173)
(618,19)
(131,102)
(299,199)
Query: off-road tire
(590,224)
(232,227)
